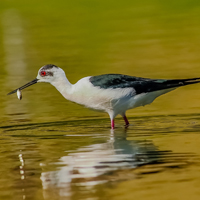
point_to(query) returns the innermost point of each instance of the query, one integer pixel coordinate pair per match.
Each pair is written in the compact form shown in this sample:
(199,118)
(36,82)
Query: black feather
(48,66)
(140,85)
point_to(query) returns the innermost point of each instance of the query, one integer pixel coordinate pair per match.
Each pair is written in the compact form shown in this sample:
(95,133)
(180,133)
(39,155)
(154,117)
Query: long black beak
(24,86)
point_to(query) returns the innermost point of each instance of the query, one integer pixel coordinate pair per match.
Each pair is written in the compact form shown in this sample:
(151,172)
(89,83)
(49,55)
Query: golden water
(51,148)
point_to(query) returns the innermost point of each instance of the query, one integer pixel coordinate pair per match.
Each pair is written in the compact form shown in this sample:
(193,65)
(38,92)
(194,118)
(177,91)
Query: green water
(51,148)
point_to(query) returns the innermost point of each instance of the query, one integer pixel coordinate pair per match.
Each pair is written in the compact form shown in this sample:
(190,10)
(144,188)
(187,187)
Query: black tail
(180,82)
(151,85)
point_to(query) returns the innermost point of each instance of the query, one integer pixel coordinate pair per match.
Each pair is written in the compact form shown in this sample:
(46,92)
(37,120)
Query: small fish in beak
(19,94)
(24,86)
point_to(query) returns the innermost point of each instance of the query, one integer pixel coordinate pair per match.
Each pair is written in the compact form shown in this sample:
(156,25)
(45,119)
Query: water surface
(51,148)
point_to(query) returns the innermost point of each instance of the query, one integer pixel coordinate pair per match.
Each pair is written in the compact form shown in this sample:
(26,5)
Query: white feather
(114,101)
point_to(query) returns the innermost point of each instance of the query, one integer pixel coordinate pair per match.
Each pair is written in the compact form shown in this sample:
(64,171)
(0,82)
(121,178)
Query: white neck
(64,87)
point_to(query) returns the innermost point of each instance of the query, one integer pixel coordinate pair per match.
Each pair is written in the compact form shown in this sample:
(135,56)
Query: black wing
(140,85)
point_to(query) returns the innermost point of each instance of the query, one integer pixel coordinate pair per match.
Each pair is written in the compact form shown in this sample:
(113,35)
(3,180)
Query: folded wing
(140,85)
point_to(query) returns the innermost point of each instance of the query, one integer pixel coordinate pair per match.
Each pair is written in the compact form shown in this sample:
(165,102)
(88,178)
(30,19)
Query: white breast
(97,98)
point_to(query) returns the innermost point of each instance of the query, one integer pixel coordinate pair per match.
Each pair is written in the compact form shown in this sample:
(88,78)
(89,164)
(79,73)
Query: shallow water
(73,159)
(51,148)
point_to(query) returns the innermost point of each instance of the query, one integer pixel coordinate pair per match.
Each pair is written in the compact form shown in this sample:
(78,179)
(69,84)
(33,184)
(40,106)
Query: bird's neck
(64,87)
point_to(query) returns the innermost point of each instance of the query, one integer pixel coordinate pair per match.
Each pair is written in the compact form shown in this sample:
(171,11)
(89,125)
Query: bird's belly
(146,98)
(99,99)
(129,102)
(94,102)
(108,101)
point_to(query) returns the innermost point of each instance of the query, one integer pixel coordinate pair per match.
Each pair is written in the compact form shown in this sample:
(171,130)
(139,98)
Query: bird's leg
(112,124)
(126,121)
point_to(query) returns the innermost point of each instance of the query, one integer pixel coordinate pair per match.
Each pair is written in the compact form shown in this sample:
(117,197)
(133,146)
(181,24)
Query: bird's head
(48,73)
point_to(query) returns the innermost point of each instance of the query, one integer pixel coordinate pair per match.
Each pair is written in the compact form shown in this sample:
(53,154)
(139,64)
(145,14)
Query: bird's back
(140,85)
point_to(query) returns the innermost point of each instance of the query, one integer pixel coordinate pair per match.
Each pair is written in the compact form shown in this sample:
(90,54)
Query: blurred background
(152,39)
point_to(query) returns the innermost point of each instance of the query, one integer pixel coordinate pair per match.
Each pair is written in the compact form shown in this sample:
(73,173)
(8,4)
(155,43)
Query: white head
(48,73)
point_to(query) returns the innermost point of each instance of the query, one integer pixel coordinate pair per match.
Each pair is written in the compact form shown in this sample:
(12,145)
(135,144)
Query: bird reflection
(86,164)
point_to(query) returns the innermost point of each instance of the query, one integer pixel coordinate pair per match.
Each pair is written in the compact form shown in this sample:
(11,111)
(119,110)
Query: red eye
(43,73)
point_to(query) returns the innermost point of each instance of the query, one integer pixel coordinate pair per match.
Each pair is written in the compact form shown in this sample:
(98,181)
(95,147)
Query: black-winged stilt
(112,93)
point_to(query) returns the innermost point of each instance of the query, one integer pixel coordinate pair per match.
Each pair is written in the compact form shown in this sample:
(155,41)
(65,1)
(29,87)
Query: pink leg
(126,120)
(112,124)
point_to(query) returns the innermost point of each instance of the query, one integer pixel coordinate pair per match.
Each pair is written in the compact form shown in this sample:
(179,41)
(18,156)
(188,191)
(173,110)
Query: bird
(111,93)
